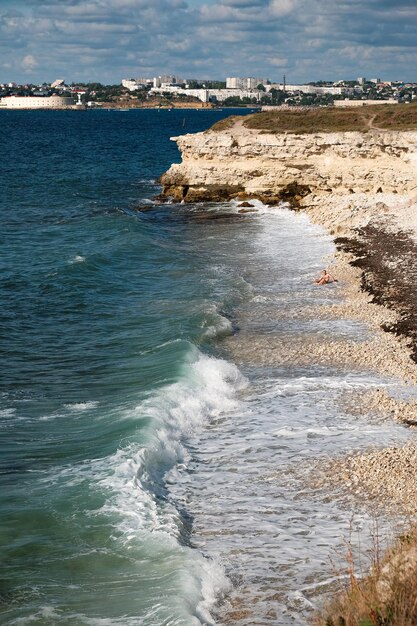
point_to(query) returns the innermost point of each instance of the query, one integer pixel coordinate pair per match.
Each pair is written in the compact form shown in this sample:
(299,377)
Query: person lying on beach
(325,278)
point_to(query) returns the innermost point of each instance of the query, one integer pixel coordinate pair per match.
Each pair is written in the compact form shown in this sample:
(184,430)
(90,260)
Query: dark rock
(145,208)
(245,204)
(293,193)
(180,191)
(209,193)
(161,198)
(212,193)
(173,192)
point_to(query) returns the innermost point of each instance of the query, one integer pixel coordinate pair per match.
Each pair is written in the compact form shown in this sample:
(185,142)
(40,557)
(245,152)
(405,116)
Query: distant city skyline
(107,40)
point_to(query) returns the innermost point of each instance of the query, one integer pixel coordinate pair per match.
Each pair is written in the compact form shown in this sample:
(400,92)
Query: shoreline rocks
(361,187)
(239,162)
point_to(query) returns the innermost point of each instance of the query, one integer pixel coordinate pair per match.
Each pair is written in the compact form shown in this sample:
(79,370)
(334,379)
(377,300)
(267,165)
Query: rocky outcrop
(242,163)
(363,188)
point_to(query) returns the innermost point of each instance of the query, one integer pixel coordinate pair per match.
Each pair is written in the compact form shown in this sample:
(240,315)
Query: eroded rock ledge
(243,163)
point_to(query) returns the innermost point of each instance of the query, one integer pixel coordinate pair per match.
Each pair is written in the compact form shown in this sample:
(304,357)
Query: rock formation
(242,163)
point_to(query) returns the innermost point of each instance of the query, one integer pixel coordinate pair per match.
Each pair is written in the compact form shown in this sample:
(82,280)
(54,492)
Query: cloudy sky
(107,40)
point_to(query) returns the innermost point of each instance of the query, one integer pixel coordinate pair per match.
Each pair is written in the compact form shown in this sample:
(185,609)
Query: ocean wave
(137,486)
(135,482)
(137,478)
(215,324)
(78,258)
(7,412)
(81,406)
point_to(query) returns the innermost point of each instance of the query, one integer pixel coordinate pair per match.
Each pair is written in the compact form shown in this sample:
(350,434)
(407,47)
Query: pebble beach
(377,274)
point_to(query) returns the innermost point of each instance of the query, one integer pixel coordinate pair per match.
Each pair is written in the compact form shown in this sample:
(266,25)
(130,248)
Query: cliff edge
(241,162)
(359,184)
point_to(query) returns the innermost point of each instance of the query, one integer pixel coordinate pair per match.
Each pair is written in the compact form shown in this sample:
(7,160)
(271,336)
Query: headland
(353,172)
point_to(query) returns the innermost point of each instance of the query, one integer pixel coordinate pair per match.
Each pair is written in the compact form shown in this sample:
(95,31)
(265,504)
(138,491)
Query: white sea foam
(49,615)
(262,299)
(208,388)
(77,259)
(257,206)
(73,407)
(81,406)
(310,433)
(317,384)
(222,327)
(44,615)
(136,477)
(48,418)
(210,583)
(7,412)
(216,324)
(149,201)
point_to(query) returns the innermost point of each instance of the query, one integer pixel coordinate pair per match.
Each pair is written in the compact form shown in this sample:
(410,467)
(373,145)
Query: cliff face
(239,162)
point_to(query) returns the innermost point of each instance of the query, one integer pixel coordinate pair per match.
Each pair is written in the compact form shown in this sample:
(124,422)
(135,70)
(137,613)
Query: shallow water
(248,486)
(147,478)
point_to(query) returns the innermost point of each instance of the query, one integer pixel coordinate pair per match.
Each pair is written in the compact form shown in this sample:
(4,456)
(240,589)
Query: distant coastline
(57,102)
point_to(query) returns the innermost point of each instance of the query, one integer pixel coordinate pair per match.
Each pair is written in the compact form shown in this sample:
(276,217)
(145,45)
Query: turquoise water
(105,315)
(148,440)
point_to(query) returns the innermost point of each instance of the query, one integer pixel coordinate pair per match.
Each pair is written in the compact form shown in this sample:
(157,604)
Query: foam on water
(215,324)
(82,406)
(259,517)
(136,482)
(138,479)
(178,411)
(78,258)
(273,533)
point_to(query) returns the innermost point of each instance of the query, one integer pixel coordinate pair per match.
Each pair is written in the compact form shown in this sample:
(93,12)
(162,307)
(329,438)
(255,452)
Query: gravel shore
(376,263)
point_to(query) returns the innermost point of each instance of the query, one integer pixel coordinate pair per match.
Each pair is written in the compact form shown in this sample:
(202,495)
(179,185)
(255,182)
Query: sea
(153,472)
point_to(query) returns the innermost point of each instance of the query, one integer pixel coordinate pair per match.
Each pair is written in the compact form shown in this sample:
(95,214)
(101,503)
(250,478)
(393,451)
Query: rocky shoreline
(362,187)
(382,257)
(237,162)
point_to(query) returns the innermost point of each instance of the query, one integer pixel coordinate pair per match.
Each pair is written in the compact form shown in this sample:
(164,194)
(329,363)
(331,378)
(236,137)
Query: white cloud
(308,39)
(223,13)
(279,62)
(279,8)
(29,63)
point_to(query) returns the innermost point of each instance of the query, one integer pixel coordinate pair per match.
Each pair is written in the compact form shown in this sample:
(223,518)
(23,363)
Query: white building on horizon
(166,81)
(235,82)
(210,95)
(37,102)
(131,84)
(142,80)
(58,83)
(308,89)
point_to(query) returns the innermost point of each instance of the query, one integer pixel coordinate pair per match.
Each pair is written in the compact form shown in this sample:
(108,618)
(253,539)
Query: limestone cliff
(240,162)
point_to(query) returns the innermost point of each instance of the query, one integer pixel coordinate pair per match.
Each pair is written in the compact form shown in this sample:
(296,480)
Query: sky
(108,40)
